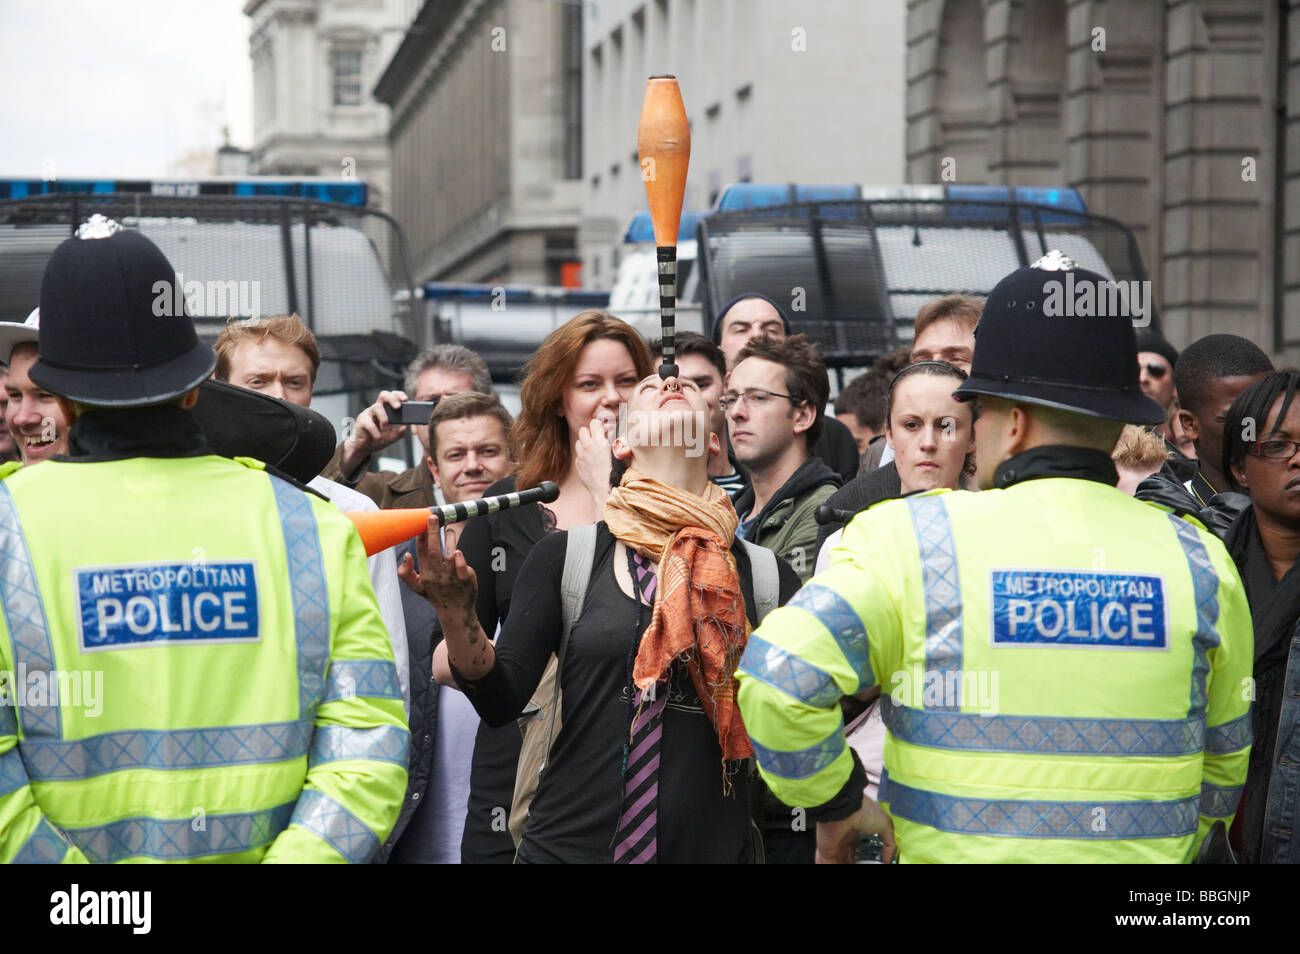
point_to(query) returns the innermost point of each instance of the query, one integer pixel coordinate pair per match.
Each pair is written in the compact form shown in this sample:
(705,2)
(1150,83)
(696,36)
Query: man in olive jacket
(775,402)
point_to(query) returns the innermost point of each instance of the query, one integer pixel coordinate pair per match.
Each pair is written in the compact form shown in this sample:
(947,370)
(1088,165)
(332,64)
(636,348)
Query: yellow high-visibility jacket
(1065,675)
(195,669)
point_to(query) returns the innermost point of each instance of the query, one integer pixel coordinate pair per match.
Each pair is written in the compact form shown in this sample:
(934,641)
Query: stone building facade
(775,91)
(1180,118)
(315,63)
(486,139)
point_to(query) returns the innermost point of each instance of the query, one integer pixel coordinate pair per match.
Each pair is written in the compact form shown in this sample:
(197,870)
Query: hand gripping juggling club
(663,142)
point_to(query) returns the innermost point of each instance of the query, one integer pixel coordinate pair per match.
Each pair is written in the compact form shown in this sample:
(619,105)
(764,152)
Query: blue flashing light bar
(1066,199)
(345,191)
(762,195)
(469,291)
(758,195)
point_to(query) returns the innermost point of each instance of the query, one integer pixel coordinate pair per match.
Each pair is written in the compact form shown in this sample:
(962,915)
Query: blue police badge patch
(1078,608)
(120,607)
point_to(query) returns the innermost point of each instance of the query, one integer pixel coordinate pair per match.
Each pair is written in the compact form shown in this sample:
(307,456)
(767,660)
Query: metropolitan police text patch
(124,606)
(1078,608)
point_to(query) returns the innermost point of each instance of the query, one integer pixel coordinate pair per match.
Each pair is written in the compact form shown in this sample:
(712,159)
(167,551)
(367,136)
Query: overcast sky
(120,87)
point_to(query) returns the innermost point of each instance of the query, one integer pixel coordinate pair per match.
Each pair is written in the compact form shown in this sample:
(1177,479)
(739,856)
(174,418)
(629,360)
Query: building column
(1220,92)
(1113,116)
(947,92)
(1025,61)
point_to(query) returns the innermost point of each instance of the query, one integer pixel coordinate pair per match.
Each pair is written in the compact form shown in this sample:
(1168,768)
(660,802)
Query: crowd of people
(687,655)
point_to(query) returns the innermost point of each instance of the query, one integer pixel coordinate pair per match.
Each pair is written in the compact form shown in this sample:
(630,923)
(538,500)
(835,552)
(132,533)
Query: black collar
(155,431)
(1056,460)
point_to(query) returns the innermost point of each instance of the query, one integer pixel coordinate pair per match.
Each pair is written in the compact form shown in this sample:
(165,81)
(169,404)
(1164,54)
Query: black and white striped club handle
(545,492)
(667,257)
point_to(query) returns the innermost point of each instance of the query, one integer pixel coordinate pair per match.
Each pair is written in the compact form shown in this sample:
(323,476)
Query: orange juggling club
(381,529)
(663,141)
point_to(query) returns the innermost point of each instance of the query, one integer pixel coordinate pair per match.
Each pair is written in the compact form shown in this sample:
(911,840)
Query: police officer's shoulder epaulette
(9,467)
(927,493)
(1189,515)
(252,463)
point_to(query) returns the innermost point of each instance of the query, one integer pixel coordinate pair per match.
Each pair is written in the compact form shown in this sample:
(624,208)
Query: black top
(838,448)
(868,488)
(496,546)
(575,813)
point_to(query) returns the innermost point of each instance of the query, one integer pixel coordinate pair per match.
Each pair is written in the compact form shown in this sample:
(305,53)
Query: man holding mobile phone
(436,373)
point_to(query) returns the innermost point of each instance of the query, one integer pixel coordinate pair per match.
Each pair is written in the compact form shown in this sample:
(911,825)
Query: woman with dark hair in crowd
(932,434)
(933,437)
(647,763)
(575,381)
(1261,457)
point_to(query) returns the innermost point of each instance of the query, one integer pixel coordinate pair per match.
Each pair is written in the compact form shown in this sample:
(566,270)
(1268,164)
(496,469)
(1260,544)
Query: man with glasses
(775,405)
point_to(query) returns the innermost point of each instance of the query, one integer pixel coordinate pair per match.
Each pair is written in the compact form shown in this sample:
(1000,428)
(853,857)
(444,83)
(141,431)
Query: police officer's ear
(190,399)
(1191,428)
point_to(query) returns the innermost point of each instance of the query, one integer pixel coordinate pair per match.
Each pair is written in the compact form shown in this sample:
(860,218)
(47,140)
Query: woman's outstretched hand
(449,583)
(445,579)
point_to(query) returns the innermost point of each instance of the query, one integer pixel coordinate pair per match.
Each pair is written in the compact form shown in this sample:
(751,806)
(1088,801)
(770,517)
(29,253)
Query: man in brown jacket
(434,374)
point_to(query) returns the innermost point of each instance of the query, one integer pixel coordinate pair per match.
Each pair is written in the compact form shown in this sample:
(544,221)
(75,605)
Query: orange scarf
(699,610)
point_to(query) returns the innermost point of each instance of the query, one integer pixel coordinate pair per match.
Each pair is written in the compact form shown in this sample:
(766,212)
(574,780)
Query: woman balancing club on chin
(571,392)
(648,765)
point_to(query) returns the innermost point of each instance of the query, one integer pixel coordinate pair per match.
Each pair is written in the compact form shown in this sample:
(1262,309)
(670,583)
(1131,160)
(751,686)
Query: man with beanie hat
(1064,663)
(205,674)
(752,316)
(1156,360)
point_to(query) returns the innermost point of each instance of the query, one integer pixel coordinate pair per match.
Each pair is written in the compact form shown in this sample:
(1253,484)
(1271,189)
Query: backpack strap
(579,555)
(767,580)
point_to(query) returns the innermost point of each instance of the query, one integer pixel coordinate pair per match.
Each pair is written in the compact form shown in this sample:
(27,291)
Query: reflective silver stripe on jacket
(166,750)
(326,818)
(943,613)
(788,673)
(1090,820)
(178,839)
(385,743)
(1218,801)
(374,678)
(1205,586)
(12,774)
(801,763)
(1042,734)
(1231,736)
(311,606)
(20,599)
(42,847)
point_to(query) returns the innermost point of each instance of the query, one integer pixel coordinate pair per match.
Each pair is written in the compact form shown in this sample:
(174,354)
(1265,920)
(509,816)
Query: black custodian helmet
(103,341)
(1061,336)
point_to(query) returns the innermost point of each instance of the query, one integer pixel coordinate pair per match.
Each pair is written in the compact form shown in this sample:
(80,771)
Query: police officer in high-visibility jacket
(1064,670)
(194,662)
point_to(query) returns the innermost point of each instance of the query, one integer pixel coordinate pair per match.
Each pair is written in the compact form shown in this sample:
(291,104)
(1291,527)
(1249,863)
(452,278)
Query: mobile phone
(412,412)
